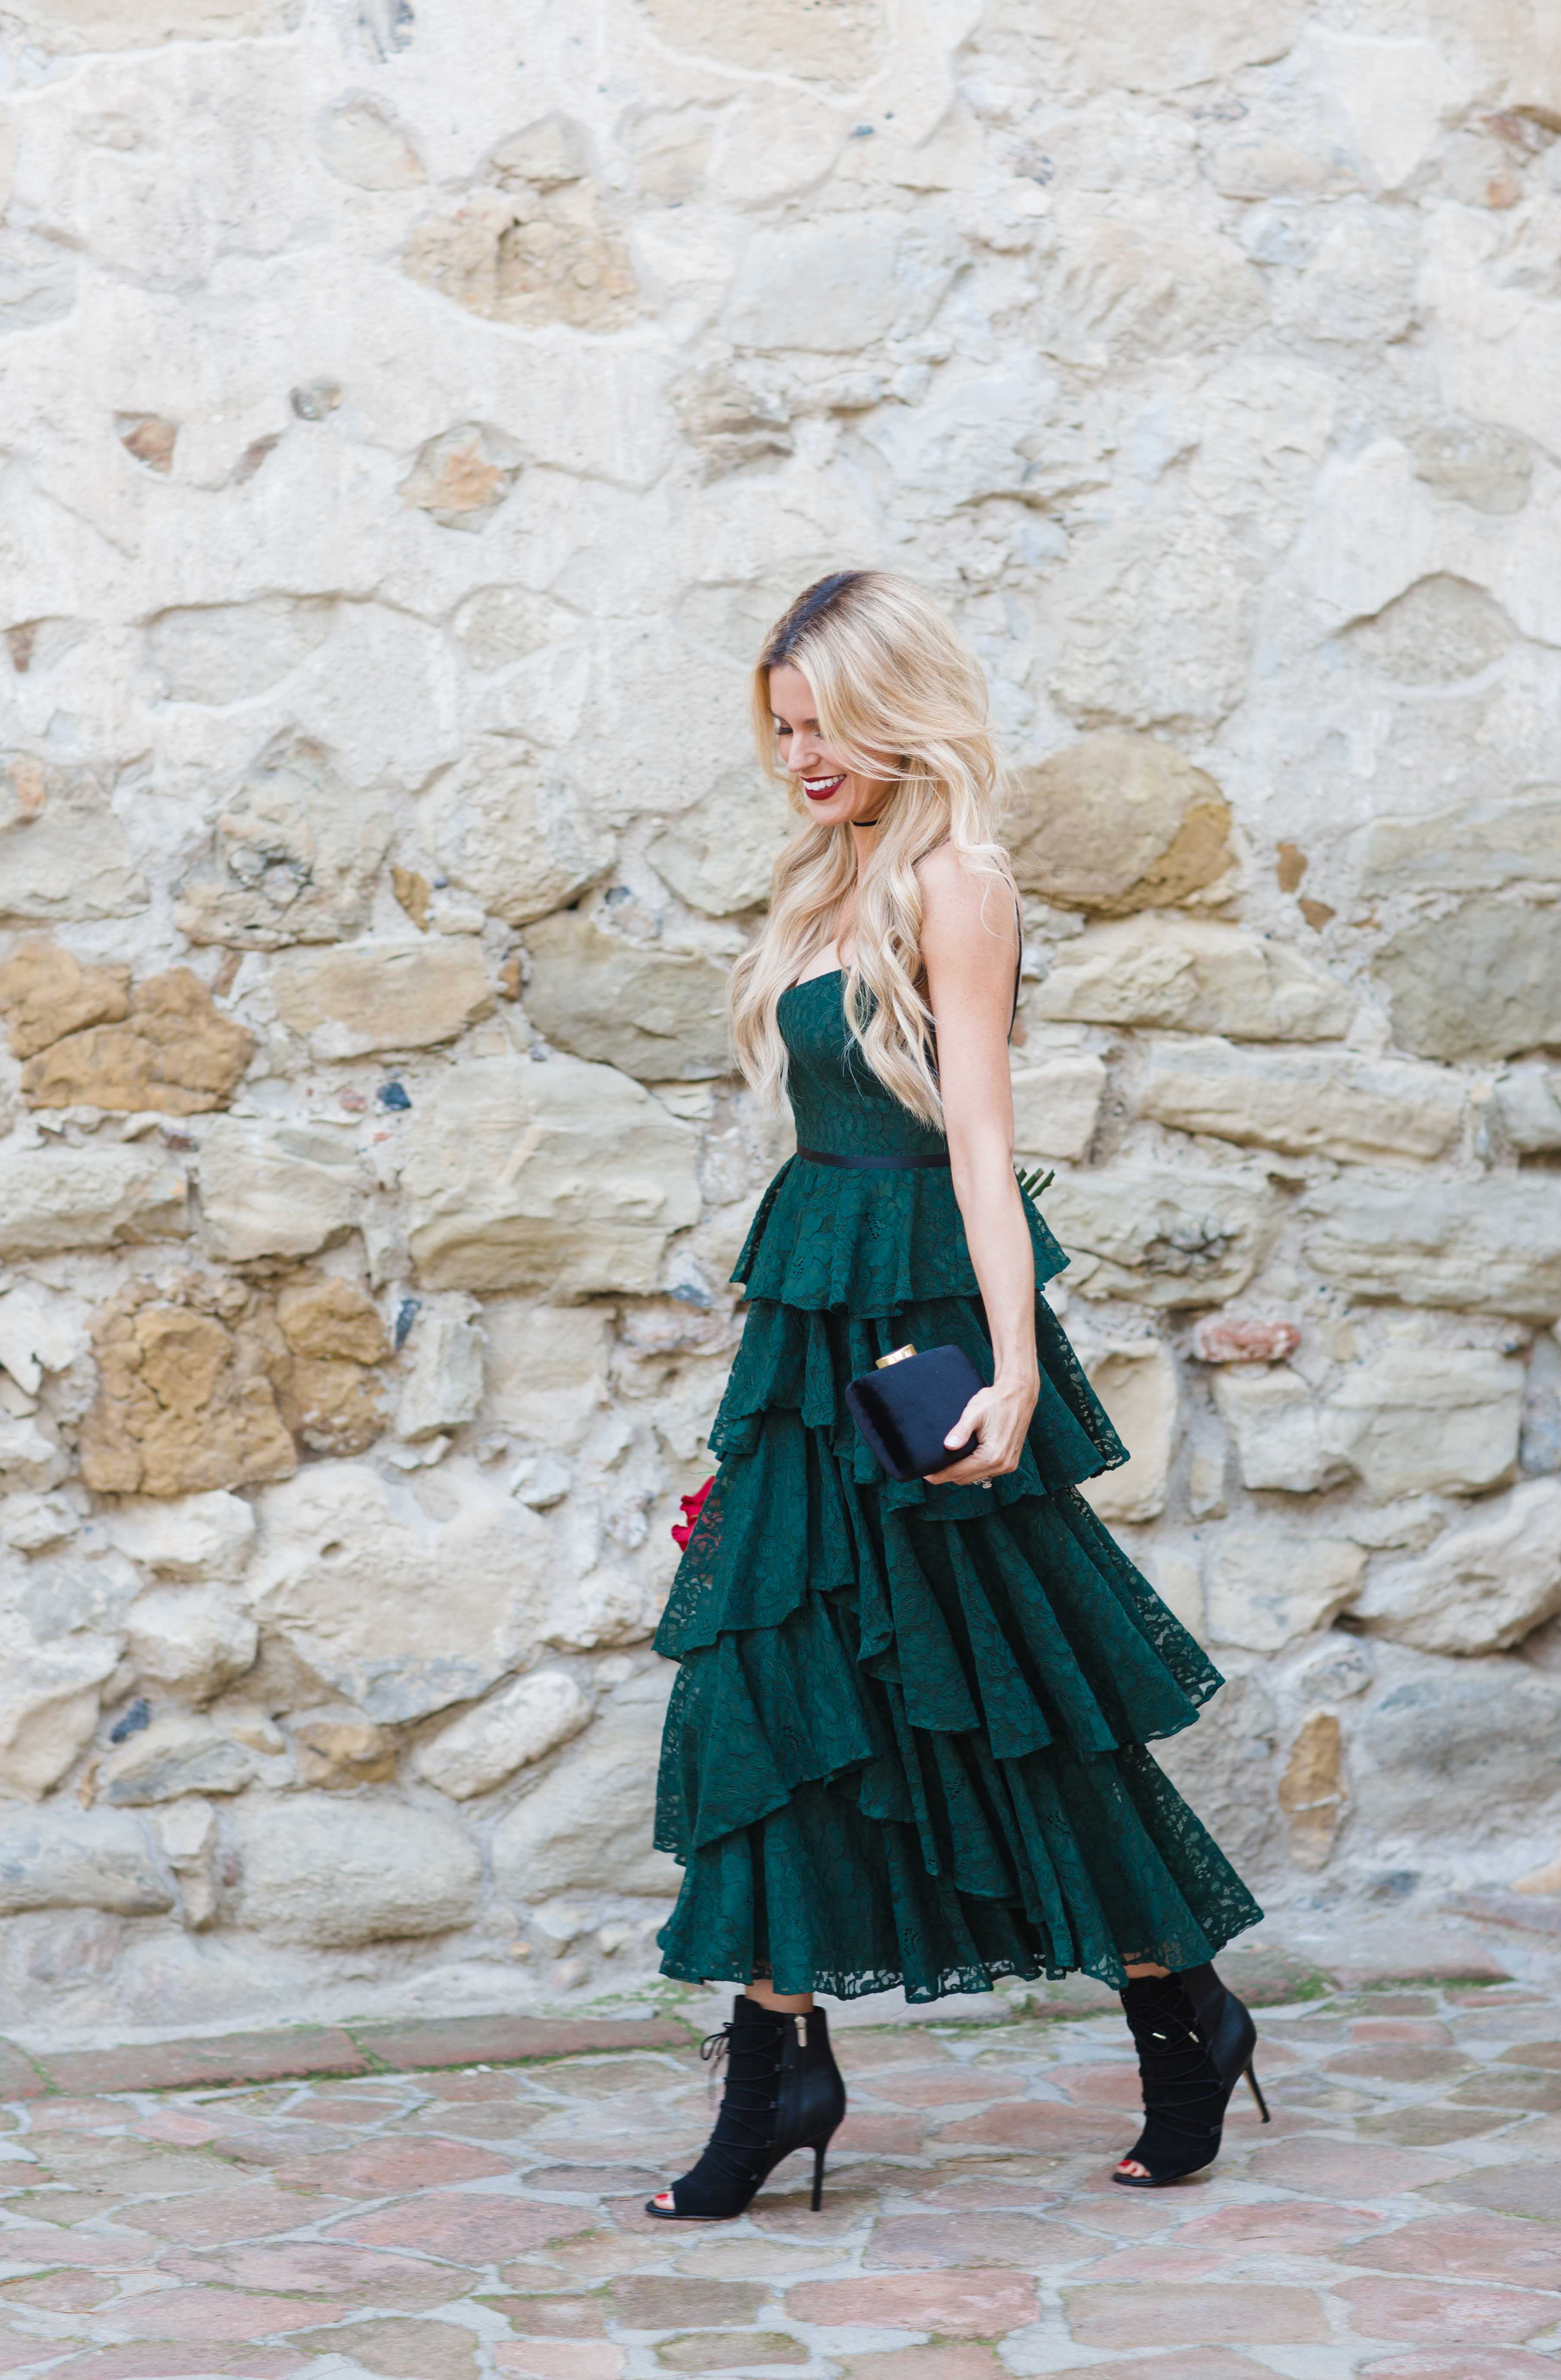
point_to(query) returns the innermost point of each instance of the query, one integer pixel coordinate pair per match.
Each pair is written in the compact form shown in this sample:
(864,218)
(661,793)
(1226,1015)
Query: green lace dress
(906,1742)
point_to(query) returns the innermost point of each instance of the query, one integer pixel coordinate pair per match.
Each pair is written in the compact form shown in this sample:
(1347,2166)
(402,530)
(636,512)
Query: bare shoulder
(969,910)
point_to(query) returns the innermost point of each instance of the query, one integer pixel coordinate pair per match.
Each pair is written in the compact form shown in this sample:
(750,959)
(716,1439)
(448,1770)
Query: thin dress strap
(1018,967)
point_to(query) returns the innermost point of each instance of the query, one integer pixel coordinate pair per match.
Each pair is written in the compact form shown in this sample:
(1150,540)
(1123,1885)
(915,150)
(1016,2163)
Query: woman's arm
(970,946)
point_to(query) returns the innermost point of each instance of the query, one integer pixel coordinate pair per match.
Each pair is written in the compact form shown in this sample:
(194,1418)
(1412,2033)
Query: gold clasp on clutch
(897,1356)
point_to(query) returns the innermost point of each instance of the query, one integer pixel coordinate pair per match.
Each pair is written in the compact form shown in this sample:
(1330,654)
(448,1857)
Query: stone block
(546,1368)
(55,1199)
(442,1373)
(1167,1235)
(788,37)
(1179,1581)
(1140,48)
(332,1320)
(1117,822)
(834,286)
(969,439)
(1477,846)
(1527,1101)
(293,855)
(189,1834)
(1392,98)
(1312,1789)
(1225,1339)
(176,1754)
(45,992)
(150,438)
(330,1406)
(462,477)
(1136,1381)
(403,1602)
(383,994)
(1347,1667)
(39,1332)
(1325,1103)
(1057,1102)
(1195,976)
(276,1189)
(730,425)
(32,1520)
(608,1606)
(552,1176)
(1475,463)
(1480,1588)
(49,1696)
(175,1054)
(1359,286)
(62,1858)
(338,1748)
(1483,982)
(522,1722)
(720,855)
(329,1396)
(84,25)
(537,244)
(64,1601)
(500,626)
(1492,1245)
(657,1014)
(1477,1736)
(63,852)
(1263,1591)
(513,832)
(1539,1447)
(1275,1423)
(1427,1420)
(586,1825)
(30,1456)
(1159,622)
(364,143)
(42,277)
(334,1874)
(190,1640)
(219,653)
(185,1399)
(1438,631)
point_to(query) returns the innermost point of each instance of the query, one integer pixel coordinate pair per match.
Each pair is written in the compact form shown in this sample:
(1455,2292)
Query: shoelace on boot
(1182,2091)
(744,2123)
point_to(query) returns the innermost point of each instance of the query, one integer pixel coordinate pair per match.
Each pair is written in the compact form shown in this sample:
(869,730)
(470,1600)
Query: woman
(905,1741)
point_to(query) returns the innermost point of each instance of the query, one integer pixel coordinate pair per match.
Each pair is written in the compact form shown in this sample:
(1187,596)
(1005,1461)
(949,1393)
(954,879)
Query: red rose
(693,1507)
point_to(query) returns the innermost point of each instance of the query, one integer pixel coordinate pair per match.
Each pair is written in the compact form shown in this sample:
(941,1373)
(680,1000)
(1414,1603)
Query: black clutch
(906,1407)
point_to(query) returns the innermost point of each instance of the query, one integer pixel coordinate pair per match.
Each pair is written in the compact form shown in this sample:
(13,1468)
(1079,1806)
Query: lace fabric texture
(905,1743)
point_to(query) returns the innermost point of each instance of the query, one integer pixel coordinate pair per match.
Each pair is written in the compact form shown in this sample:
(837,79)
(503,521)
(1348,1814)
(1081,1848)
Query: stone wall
(412,418)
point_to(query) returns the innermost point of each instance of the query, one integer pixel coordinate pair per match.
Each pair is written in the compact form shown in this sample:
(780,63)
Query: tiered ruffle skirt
(905,1743)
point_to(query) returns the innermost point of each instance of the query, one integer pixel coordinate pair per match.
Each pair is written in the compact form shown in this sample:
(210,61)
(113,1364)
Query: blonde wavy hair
(898,694)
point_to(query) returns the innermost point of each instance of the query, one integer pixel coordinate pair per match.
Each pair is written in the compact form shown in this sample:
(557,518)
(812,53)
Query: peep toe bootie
(784,2091)
(1195,2041)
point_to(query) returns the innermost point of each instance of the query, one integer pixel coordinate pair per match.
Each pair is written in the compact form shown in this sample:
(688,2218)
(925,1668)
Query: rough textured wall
(411,416)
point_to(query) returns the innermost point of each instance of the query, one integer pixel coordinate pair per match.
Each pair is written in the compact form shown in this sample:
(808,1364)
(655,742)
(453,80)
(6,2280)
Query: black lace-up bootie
(783,2092)
(1195,2042)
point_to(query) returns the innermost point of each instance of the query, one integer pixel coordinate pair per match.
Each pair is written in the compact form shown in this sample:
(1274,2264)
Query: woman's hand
(999,1417)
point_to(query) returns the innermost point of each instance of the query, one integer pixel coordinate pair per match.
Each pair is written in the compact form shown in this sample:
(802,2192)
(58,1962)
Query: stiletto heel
(1195,2042)
(784,2091)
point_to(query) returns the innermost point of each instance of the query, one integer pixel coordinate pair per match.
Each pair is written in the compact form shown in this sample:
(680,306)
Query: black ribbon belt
(891,1163)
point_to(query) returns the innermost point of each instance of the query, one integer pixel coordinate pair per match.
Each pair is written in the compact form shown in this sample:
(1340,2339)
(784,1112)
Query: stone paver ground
(1400,2218)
